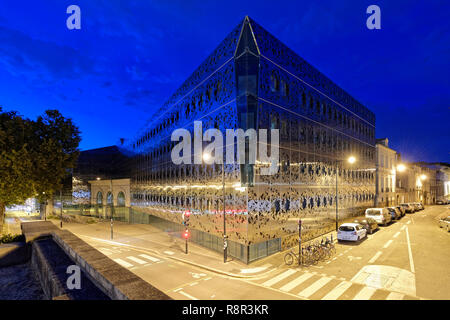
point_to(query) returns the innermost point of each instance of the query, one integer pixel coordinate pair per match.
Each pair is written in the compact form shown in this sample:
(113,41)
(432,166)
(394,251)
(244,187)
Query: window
(274,85)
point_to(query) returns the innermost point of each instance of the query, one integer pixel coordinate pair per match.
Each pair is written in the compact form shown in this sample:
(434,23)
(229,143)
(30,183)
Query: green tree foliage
(56,151)
(15,159)
(35,156)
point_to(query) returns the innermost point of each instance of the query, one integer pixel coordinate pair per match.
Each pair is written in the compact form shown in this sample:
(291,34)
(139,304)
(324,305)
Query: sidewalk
(148,238)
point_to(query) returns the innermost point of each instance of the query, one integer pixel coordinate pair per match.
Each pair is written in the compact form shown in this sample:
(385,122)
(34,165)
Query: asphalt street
(408,259)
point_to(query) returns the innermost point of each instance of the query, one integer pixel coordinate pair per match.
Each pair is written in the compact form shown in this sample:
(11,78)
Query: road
(407,259)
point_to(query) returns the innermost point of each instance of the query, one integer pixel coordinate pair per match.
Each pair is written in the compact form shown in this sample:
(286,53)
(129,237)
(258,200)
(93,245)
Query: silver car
(445,223)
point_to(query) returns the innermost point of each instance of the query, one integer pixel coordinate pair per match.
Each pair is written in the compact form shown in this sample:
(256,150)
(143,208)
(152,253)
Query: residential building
(385,174)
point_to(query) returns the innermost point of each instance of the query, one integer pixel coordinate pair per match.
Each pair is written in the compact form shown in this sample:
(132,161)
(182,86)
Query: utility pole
(299,242)
(112,208)
(337,195)
(225,242)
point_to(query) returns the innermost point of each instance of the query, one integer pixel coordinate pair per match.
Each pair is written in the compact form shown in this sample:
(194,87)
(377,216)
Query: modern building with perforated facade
(252,80)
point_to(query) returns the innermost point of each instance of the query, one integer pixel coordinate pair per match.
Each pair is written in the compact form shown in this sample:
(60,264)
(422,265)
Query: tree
(35,156)
(55,150)
(15,163)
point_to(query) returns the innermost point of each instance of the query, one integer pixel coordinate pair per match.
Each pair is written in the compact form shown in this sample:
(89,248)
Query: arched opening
(100,198)
(109,198)
(121,199)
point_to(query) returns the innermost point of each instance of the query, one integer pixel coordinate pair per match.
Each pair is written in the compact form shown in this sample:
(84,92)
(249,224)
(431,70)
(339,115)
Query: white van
(381,215)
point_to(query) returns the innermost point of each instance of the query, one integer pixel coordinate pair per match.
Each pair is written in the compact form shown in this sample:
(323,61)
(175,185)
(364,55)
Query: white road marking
(188,295)
(365,294)
(278,278)
(137,260)
(337,291)
(314,287)
(411,262)
(396,235)
(123,263)
(351,258)
(291,285)
(176,290)
(193,284)
(257,269)
(387,244)
(149,257)
(409,221)
(105,251)
(375,257)
(169,252)
(209,278)
(395,296)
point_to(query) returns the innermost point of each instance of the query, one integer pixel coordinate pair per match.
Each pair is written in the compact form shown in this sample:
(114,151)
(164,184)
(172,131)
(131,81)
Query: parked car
(440,202)
(422,207)
(408,207)
(402,210)
(381,215)
(351,232)
(445,223)
(369,224)
(396,215)
(416,206)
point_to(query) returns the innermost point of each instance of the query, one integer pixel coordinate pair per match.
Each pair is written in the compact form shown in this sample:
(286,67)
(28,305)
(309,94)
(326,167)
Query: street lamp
(423,177)
(401,167)
(206,158)
(350,160)
(112,207)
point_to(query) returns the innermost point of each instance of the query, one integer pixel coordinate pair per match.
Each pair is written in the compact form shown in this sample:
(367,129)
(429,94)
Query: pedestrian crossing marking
(314,287)
(105,251)
(395,296)
(123,263)
(137,260)
(278,278)
(149,257)
(337,291)
(299,280)
(365,294)
(312,284)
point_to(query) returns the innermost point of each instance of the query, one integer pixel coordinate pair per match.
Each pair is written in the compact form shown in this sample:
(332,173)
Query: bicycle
(289,257)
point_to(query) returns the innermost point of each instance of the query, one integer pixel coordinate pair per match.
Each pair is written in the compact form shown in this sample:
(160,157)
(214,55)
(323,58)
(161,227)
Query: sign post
(299,241)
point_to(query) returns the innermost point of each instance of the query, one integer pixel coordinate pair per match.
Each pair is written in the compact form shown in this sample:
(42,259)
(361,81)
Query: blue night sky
(130,56)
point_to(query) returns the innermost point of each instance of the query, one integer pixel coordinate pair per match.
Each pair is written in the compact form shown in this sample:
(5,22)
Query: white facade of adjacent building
(386,173)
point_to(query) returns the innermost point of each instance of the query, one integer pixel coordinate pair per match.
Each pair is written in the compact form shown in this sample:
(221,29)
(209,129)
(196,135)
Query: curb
(215,270)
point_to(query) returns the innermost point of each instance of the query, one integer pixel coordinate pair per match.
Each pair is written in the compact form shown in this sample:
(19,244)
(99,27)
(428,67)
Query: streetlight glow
(401,167)
(423,177)
(206,156)
(352,160)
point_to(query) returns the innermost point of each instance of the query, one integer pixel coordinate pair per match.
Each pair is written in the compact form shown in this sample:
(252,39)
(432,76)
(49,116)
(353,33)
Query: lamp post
(400,168)
(206,157)
(423,177)
(351,160)
(112,208)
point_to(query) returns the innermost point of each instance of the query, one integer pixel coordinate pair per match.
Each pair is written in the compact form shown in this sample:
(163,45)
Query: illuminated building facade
(252,80)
